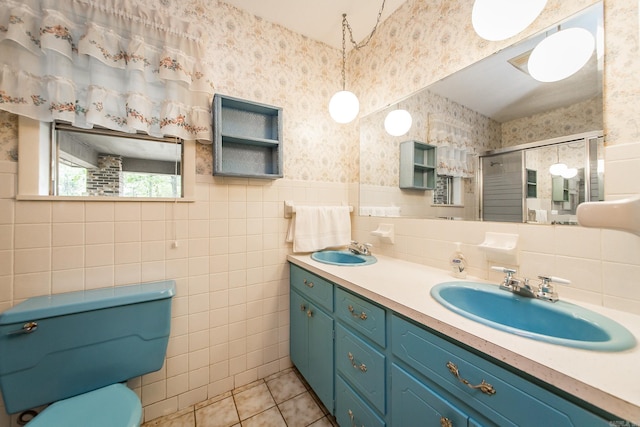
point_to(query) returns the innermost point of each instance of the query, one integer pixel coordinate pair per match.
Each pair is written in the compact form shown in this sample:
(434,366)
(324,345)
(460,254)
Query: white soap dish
(500,247)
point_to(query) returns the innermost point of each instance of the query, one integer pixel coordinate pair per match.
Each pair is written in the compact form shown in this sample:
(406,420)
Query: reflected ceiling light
(344,105)
(500,19)
(561,54)
(557,168)
(569,172)
(398,122)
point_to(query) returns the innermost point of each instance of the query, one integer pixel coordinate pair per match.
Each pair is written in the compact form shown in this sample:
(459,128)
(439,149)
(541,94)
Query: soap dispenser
(458,263)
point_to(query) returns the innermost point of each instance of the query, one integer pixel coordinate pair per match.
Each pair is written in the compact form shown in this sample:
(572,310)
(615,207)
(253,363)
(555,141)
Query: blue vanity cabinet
(499,396)
(361,361)
(311,332)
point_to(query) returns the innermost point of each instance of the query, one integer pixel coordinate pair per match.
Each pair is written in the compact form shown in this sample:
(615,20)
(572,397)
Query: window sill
(102,199)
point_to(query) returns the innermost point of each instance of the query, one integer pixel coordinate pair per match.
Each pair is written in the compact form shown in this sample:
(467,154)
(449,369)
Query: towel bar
(290,208)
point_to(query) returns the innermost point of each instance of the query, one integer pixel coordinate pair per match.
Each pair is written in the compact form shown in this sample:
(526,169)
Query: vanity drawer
(514,399)
(351,410)
(312,286)
(363,316)
(415,404)
(362,365)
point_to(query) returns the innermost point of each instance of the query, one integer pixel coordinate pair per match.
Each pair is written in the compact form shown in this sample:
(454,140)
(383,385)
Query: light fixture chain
(344,48)
(366,42)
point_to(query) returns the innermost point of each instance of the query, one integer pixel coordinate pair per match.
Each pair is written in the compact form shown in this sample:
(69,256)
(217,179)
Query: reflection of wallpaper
(380,151)
(582,117)
(423,42)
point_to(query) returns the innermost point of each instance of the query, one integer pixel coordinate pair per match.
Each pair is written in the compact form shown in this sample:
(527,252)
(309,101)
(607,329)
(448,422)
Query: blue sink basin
(560,323)
(343,258)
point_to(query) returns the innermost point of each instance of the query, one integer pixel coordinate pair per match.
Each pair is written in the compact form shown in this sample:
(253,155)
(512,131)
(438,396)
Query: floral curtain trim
(81,62)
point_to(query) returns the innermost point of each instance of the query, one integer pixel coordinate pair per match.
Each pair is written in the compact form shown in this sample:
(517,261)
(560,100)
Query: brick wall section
(105,179)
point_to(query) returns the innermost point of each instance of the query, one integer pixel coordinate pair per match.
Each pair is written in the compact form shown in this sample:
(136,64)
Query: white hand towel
(314,228)
(541,216)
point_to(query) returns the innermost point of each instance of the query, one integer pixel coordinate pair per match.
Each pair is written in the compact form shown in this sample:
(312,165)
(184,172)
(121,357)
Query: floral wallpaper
(8,136)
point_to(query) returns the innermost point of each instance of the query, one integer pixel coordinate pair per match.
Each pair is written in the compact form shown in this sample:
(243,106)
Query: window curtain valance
(105,63)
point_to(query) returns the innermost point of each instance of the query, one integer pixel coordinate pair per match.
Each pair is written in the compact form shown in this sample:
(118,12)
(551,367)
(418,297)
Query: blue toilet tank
(83,341)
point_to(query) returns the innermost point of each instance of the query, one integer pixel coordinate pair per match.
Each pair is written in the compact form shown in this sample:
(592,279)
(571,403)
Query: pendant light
(561,55)
(398,122)
(344,105)
(558,168)
(496,20)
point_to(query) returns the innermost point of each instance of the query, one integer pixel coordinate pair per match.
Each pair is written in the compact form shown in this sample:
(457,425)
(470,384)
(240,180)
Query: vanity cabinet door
(311,346)
(415,404)
(352,411)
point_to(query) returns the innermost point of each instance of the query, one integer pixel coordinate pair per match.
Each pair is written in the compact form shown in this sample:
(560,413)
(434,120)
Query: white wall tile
(33,212)
(99,211)
(67,234)
(67,281)
(127,211)
(127,274)
(129,231)
(6,237)
(67,257)
(99,232)
(31,260)
(99,255)
(67,212)
(7,215)
(126,253)
(31,285)
(98,277)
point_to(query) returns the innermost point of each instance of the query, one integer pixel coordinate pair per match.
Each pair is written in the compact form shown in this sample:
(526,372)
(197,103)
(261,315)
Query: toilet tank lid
(43,307)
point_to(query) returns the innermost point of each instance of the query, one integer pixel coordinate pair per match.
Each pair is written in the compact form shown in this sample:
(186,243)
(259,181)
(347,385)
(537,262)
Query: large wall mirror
(487,113)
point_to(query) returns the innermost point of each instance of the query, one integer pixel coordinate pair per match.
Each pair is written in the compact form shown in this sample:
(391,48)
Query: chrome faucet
(360,248)
(545,290)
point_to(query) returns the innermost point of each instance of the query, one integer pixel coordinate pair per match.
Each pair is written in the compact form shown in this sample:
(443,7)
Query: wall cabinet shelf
(247,138)
(559,189)
(417,166)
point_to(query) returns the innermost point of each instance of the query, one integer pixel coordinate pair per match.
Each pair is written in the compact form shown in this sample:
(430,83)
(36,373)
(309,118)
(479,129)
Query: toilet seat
(112,406)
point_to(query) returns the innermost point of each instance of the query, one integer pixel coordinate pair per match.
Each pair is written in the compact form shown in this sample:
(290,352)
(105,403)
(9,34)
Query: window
(68,162)
(448,190)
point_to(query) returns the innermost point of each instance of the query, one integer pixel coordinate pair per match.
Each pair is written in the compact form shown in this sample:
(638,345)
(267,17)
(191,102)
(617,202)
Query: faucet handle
(508,271)
(548,279)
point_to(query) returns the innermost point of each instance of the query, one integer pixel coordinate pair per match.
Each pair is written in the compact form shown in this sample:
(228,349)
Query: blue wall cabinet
(311,339)
(391,371)
(247,138)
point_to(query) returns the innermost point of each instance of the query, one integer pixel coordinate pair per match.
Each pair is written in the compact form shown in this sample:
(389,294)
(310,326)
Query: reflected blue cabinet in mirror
(417,166)
(247,138)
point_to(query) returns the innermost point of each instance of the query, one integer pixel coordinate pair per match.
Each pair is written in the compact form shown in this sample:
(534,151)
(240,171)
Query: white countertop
(608,380)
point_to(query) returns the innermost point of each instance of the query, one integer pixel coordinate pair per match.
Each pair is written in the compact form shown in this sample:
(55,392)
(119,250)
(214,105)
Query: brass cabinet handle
(484,387)
(352,418)
(303,307)
(27,328)
(362,366)
(309,313)
(361,316)
(445,422)
(309,284)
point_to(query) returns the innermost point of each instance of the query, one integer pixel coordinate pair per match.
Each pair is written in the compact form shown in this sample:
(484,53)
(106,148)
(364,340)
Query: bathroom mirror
(488,106)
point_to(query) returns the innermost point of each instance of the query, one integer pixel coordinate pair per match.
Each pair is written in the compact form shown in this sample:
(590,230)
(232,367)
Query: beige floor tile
(269,418)
(300,411)
(247,387)
(213,400)
(184,418)
(253,401)
(285,387)
(278,374)
(220,414)
(323,422)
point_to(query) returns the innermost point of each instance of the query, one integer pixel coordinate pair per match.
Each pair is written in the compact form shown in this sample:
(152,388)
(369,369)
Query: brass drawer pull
(361,316)
(362,366)
(27,328)
(352,418)
(303,307)
(484,387)
(309,284)
(445,422)
(309,313)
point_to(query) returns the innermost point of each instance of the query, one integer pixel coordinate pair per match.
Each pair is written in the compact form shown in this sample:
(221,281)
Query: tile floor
(281,400)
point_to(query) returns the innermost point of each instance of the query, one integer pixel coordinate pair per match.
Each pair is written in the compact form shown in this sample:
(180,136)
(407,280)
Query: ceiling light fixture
(561,55)
(344,105)
(569,173)
(398,122)
(558,168)
(496,20)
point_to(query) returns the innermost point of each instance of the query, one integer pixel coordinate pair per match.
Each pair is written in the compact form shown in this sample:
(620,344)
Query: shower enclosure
(519,184)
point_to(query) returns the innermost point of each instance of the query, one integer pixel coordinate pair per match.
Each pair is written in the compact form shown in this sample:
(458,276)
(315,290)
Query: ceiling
(321,20)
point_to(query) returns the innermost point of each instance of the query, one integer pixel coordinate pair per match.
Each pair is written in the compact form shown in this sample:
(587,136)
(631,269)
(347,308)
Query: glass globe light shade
(561,54)
(557,168)
(569,173)
(398,122)
(500,19)
(344,106)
